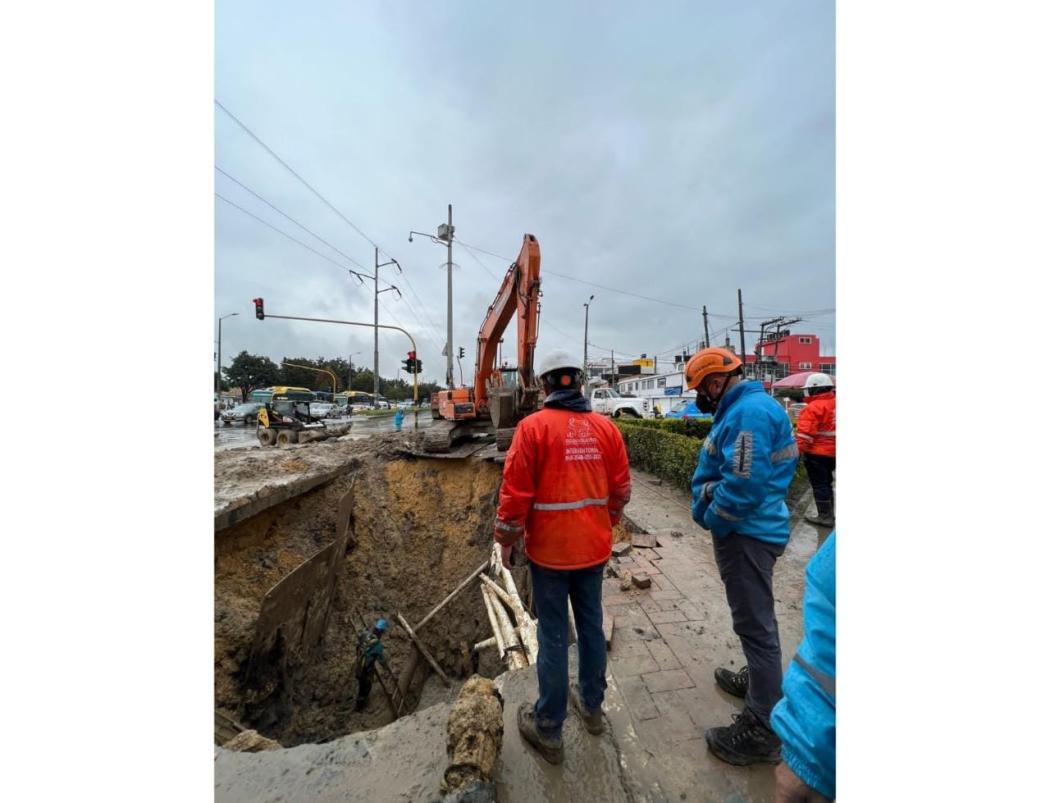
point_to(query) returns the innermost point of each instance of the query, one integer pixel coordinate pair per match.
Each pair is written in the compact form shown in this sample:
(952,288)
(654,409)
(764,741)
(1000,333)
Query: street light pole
(445,234)
(586,320)
(218,372)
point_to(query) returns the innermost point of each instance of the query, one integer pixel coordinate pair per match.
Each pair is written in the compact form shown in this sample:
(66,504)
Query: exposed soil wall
(421,526)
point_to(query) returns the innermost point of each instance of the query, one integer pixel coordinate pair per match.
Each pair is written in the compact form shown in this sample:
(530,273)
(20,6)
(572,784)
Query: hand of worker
(505,552)
(791,789)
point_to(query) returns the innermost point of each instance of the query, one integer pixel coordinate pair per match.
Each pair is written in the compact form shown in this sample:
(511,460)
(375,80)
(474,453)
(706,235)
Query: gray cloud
(678,151)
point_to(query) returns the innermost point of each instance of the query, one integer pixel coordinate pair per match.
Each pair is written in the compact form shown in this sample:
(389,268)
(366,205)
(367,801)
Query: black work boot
(550,747)
(592,720)
(746,741)
(825,515)
(734,683)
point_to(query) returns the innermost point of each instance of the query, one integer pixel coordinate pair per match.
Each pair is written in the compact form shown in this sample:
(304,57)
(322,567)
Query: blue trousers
(551,591)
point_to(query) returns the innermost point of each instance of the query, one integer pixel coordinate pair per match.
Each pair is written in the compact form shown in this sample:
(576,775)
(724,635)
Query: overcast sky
(673,150)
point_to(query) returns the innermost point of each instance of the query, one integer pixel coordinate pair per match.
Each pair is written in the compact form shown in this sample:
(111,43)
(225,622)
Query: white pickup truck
(608,402)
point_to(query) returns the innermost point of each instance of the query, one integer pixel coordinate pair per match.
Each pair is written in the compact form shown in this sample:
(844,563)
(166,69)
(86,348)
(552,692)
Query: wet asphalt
(237,436)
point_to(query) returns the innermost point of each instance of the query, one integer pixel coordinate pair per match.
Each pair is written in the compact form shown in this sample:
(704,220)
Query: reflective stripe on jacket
(565,484)
(816,426)
(804,719)
(746,464)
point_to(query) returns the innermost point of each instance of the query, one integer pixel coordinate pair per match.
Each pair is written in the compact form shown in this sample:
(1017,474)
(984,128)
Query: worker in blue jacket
(369,650)
(805,718)
(741,481)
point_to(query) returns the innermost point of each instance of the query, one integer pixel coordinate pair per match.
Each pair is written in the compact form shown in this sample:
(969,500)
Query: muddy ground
(421,526)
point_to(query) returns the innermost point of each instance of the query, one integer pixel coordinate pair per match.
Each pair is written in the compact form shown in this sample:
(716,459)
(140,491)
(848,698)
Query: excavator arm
(519,293)
(495,397)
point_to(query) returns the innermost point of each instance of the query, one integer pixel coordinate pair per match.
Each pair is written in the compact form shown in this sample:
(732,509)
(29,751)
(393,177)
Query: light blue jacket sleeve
(746,470)
(804,719)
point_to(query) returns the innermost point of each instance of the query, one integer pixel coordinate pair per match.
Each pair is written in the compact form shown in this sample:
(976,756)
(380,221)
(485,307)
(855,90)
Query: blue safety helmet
(381,625)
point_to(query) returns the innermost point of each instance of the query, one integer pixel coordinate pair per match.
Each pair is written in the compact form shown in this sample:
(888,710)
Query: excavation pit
(297,579)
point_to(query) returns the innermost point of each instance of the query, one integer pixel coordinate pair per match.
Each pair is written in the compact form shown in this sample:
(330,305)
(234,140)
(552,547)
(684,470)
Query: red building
(790,355)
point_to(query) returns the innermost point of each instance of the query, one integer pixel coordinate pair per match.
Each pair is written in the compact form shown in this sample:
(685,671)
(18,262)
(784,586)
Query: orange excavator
(501,395)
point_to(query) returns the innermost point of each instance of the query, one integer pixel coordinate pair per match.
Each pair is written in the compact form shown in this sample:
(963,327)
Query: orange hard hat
(709,361)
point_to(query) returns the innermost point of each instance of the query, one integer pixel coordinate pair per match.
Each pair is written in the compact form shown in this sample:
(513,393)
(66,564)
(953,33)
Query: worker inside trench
(417,529)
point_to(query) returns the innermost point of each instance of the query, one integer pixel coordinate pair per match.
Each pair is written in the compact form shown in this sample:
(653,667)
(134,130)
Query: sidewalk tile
(662,655)
(663,617)
(638,699)
(667,680)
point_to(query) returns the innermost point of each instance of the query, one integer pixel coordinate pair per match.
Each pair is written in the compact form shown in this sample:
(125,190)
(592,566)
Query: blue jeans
(551,590)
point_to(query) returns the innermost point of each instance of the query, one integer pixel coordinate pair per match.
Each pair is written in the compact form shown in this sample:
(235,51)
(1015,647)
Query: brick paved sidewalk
(668,640)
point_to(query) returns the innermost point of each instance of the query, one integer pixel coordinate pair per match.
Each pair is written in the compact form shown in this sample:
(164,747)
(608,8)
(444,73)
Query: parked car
(246,414)
(320,409)
(686,408)
(339,411)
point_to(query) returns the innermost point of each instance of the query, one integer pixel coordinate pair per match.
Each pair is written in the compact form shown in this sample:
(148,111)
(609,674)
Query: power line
(483,266)
(289,168)
(290,218)
(583,281)
(324,200)
(284,234)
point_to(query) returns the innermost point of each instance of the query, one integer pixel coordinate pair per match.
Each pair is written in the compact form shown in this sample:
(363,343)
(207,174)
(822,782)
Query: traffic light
(461,352)
(418,365)
(410,363)
(259,308)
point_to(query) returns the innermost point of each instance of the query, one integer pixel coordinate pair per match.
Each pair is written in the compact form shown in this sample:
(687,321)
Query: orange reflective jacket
(565,484)
(816,426)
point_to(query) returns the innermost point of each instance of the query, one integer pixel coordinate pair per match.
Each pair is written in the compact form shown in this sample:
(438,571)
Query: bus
(281,392)
(353,397)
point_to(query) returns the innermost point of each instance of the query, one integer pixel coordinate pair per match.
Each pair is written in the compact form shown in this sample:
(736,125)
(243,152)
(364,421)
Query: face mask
(704,404)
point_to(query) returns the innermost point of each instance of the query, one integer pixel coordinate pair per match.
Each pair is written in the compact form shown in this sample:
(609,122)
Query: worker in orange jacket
(565,483)
(815,437)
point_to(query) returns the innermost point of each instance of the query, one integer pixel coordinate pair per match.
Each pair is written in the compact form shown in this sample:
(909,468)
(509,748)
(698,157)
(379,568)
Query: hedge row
(659,451)
(655,446)
(690,427)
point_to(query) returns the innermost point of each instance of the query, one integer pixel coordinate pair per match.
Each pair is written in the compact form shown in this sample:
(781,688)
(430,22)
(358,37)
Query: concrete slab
(405,761)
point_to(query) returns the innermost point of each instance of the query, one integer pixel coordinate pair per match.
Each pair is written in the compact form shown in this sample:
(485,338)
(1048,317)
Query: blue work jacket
(804,719)
(746,464)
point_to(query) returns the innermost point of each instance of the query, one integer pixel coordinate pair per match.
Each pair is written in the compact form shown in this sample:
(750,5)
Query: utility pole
(740,303)
(586,320)
(612,368)
(375,355)
(218,370)
(707,337)
(448,342)
(781,322)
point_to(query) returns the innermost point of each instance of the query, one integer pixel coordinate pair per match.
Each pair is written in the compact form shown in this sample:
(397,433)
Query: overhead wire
(327,203)
(291,170)
(288,217)
(284,233)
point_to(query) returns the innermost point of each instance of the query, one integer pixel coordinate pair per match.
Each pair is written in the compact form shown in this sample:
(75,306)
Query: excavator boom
(500,395)
(520,293)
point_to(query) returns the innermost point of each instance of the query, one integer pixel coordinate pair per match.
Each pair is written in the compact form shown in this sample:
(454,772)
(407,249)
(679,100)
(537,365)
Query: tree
(248,372)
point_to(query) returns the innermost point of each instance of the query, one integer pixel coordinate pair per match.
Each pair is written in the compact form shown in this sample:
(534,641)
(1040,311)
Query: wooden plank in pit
(297,607)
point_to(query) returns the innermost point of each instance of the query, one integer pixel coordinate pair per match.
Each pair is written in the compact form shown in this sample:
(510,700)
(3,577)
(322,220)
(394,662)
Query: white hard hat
(816,382)
(558,360)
